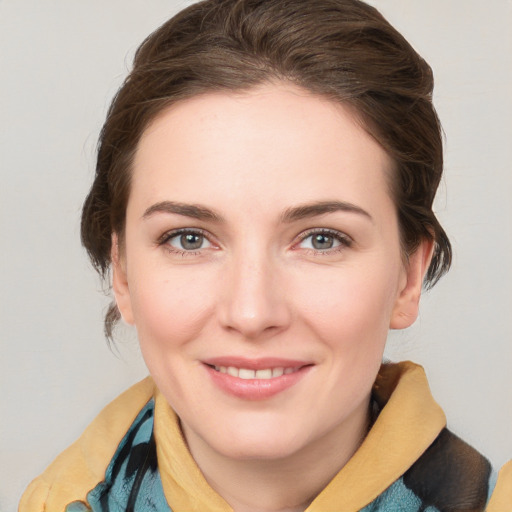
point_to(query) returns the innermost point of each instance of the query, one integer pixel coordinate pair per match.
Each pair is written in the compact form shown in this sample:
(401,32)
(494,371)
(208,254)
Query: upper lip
(255,364)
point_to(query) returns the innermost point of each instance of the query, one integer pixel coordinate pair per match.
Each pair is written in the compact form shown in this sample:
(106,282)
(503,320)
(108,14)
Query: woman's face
(262,269)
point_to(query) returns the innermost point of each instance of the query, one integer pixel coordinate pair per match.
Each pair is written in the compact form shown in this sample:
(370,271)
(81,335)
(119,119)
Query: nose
(254,302)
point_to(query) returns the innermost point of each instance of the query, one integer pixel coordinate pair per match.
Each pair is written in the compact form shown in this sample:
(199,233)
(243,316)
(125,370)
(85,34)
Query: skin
(257,286)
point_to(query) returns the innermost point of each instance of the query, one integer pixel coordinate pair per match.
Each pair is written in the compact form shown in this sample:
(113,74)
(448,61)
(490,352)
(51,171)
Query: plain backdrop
(60,64)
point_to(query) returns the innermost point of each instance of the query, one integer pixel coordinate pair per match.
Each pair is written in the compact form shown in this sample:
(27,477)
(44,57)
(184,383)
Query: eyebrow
(187,210)
(289,215)
(321,208)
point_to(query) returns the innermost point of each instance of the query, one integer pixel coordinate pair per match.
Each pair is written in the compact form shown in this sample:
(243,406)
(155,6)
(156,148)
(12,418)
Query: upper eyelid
(166,236)
(334,232)
(171,233)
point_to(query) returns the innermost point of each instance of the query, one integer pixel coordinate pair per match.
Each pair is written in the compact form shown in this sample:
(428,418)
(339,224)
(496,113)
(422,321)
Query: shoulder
(81,466)
(501,499)
(449,475)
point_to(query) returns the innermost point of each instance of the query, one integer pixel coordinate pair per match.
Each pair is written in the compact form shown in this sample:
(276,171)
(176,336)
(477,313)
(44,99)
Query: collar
(408,423)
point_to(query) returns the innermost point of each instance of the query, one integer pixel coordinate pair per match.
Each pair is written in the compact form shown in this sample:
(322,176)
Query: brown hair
(341,49)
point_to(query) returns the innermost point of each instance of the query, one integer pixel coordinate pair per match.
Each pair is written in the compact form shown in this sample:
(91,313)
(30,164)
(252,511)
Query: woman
(263,197)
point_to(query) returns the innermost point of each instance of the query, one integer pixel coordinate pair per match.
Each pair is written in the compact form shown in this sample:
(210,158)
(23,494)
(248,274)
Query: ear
(120,282)
(406,306)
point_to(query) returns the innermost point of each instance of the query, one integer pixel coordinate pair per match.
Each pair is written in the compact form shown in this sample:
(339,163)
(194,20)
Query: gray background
(61,62)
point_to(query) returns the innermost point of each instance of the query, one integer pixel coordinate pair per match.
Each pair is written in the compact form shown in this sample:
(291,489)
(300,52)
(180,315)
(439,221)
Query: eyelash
(169,235)
(344,241)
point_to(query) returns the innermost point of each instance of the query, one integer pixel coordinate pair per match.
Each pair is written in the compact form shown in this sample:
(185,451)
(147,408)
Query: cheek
(169,306)
(350,307)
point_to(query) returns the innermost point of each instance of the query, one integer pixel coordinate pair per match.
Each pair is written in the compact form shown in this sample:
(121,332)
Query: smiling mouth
(248,374)
(256,379)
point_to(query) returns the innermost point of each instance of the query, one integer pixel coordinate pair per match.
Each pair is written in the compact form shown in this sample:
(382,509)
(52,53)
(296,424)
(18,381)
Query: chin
(258,439)
(275,448)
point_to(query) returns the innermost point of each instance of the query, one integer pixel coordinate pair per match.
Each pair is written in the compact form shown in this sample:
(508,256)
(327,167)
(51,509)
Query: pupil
(191,241)
(322,241)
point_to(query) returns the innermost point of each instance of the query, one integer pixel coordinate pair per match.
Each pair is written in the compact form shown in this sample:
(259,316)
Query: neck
(286,484)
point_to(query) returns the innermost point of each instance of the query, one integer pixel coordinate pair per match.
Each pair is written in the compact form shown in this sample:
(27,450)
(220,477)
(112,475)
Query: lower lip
(256,389)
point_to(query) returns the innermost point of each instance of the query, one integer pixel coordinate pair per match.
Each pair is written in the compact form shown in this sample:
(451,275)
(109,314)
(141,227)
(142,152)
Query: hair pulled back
(341,49)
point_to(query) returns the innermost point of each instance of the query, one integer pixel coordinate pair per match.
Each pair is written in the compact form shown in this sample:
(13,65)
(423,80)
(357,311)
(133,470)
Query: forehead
(271,144)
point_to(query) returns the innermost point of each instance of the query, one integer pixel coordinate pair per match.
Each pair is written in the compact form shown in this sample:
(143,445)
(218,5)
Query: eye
(324,240)
(186,240)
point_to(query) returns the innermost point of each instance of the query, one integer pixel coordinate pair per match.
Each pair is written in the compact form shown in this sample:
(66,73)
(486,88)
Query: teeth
(264,374)
(277,372)
(246,373)
(231,370)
